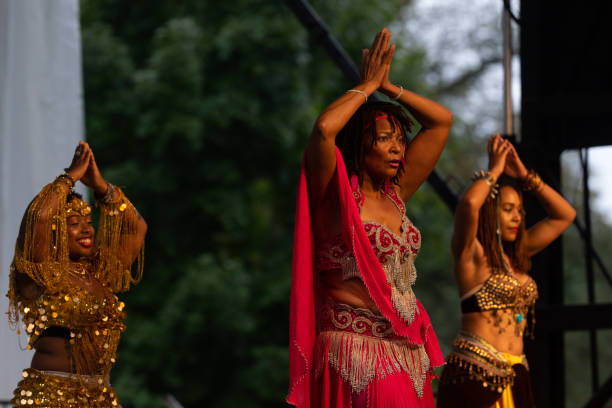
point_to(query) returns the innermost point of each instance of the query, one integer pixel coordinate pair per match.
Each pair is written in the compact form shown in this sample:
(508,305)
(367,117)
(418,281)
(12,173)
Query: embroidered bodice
(388,246)
(395,252)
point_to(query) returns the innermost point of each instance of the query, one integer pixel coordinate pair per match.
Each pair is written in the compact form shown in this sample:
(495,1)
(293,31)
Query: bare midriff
(352,292)
(52,353)
(508,341)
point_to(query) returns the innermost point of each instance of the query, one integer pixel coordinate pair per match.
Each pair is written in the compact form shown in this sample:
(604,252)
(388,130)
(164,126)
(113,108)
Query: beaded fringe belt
(473,358)
(62,390)
(362,347)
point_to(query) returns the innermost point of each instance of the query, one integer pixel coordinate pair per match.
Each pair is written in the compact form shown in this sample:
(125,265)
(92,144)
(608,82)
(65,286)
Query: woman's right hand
(375,62)
(498,149)
(80,161)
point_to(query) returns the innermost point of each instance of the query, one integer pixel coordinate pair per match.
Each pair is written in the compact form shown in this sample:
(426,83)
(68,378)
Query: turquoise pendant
(519,317)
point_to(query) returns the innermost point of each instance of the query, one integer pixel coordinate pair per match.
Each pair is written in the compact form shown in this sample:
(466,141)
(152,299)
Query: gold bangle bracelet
(532,182)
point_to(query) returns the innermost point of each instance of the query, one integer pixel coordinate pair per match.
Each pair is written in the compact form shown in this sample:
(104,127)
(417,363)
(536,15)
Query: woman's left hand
(376,61)
(514,166)
(385,83)
(93,179)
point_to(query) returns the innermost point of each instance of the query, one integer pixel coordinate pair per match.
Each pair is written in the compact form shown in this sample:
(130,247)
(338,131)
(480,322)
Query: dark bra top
(501,291)
(56,331)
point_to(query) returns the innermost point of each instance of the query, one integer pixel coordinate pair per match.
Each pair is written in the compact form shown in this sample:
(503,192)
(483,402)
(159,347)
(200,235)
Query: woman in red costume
(492,249)
(359,337)
(63,283)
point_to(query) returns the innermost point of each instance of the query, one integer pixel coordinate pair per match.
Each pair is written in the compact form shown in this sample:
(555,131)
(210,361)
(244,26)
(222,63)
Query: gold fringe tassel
(118,218)
(43,221)
(474,359)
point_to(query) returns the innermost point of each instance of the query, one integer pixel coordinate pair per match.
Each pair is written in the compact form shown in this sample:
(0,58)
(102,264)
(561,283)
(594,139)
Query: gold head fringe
(41,251)
(118,219)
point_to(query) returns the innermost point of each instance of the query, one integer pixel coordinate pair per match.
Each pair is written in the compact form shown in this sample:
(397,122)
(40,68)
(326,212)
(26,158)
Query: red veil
(304,284)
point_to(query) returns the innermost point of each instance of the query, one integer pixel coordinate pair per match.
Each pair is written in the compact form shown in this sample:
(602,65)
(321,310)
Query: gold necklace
(78,268)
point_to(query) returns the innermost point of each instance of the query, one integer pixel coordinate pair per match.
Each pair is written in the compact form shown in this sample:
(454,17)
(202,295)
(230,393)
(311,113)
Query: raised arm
(424,150)
(464,242)
(122,229)
(560,213)
(320,151)
(39,248)
(31,271)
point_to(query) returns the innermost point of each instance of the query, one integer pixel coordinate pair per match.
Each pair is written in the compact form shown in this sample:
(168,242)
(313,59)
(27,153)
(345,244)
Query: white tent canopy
(41,121)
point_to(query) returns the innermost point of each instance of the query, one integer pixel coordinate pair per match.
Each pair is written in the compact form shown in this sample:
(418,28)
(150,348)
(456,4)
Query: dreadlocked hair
(358,136)
(487,233)
(72,195)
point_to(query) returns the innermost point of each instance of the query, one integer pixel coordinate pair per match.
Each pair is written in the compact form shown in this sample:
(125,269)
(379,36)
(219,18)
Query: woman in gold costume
(63,283)
(492,250)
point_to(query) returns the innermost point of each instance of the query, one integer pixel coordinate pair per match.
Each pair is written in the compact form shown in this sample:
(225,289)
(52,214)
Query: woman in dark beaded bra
(492,249)
(359,336)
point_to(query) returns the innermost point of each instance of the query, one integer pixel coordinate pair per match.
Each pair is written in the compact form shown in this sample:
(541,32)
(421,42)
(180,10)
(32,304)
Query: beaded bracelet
(486,176)
(66,179)
(108,195)
(532,182)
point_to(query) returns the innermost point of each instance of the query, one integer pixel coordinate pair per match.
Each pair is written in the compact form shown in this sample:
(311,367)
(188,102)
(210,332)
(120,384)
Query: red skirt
(361,363)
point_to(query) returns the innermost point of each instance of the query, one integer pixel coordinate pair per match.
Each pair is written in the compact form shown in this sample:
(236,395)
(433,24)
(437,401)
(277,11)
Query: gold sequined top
(501,294)
(501,291)
(95,324)
(95,321)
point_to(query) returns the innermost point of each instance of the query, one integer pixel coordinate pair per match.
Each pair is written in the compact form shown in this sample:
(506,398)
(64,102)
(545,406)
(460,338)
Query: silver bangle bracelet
(365,95)
(399,94)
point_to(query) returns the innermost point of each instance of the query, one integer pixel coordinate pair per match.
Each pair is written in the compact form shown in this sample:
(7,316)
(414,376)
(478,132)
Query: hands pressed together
(84,168)
(376,61)
(503,158)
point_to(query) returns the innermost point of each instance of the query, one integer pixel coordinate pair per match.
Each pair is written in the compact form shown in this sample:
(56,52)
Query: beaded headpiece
(77,206)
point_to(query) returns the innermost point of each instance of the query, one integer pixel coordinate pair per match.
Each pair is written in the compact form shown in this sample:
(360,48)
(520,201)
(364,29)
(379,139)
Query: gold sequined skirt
(62,390)
(473,358)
